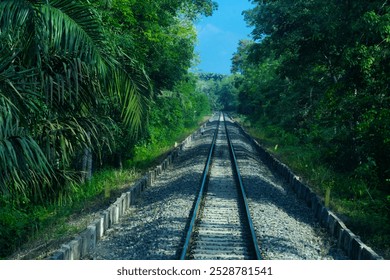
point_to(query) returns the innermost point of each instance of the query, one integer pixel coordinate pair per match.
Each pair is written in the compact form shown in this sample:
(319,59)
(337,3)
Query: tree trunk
(87,165)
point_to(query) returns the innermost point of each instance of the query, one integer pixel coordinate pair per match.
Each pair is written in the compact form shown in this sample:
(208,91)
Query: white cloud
(208,29)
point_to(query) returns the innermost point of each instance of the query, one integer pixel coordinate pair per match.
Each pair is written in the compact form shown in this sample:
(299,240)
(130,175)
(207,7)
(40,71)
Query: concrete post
(66,251)
(75,248)
(99,224)
(106,218)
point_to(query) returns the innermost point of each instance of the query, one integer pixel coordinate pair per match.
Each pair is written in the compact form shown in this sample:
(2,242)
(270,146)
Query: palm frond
(23,165)
(14,14)
(73,31)
(134,89)
(18,86)
(54,77)
(134,104)
(71,134)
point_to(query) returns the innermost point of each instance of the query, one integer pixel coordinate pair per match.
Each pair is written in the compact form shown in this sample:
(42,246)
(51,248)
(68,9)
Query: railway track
(156,226)
(221,226)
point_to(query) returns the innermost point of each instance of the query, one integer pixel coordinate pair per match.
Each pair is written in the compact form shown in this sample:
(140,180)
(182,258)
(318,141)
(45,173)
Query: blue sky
(218,35)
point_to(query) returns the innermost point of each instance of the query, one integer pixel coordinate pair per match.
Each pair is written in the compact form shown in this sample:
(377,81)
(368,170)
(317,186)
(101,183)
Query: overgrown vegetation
(81,86)
(26,226)
(314,83)
(173,116)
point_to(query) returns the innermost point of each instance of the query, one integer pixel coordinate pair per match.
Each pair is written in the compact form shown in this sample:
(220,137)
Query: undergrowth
(22,225)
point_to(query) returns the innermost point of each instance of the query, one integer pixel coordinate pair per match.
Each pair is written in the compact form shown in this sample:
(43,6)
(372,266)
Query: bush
(15,225)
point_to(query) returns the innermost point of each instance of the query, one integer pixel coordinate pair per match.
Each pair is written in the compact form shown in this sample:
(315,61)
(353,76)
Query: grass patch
(27,227)
(150,153)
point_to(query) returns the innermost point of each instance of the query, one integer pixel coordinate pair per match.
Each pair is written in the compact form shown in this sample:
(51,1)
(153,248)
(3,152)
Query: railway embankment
(168,219)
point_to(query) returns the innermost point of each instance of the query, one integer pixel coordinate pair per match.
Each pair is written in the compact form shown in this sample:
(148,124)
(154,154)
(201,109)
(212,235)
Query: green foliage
(220,89)
(319,74)
(78,78)
(173,115)
(13,224)
(24,222)
(22,162)
(81,85)
(318,85)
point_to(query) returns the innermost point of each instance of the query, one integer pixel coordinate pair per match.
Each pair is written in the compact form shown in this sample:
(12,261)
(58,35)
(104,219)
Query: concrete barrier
(89,239)
(58,255)
(106,220)
(65,248)
(75,248)
(350,243)
(99,224)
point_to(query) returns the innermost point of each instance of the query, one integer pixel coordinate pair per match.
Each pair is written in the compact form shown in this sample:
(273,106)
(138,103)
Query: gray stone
(106,218)
(58,255)
(368,254)
(309,196)
(355,248)
(123,203)
(115,214)
(316,206)
(88,237)
(111,216)
(99,223)
(324,217)
(128,199)
(332,220)
(66,250)
(75,248)
(150,179)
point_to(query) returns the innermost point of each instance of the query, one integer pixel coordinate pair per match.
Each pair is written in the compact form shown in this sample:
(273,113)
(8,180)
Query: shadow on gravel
(281,245)
(156,230)
(262,184)
(134,242)
(260,190)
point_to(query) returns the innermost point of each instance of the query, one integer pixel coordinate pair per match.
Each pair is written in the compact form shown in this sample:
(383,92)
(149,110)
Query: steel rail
(243,194)
(200,195)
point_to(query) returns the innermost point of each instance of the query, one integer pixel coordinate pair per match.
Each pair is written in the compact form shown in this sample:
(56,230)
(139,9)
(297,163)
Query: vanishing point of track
(221,226)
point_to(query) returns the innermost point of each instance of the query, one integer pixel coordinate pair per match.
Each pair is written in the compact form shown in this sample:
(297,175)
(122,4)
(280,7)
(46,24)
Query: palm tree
(55,77)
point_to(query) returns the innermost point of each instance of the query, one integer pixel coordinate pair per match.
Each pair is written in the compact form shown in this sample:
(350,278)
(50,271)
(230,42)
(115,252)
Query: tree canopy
(328,63)
(77,80)
(316,74)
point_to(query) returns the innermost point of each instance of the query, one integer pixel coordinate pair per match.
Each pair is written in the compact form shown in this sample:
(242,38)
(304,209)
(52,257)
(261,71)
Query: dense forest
(84,86)
(315,82)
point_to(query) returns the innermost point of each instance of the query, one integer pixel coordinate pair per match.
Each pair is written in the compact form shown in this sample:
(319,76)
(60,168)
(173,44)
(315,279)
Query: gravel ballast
(285,227)
(155,227)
